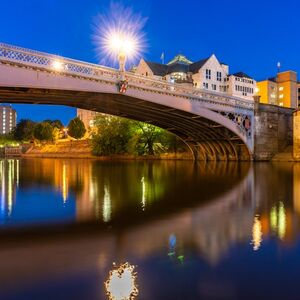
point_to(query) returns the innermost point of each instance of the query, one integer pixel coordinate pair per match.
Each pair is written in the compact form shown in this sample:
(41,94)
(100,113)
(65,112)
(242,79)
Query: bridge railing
(55,63)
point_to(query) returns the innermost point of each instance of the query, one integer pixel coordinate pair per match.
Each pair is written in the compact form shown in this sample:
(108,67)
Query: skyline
(247,38)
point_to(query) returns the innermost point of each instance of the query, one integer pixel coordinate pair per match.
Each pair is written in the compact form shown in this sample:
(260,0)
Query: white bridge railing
(43,61)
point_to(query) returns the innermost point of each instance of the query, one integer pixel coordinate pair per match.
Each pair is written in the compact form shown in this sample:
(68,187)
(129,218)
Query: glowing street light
(119,37)
(57,65)
(123,45)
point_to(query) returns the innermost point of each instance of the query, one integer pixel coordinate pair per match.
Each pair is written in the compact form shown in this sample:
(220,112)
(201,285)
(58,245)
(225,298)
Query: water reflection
(206,226)
(9,181)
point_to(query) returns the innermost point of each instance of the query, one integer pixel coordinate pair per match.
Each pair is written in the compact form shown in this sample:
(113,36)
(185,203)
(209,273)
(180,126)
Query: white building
(8,119)
(207,74)
(241,85)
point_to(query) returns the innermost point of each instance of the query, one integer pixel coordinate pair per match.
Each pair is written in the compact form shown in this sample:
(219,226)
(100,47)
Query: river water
(192,231)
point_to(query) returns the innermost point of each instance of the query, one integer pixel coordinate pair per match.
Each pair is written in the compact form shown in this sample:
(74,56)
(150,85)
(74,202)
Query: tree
(43,131)
(112,135)
(24,130)
(76,128)
(55,123)
(149,137)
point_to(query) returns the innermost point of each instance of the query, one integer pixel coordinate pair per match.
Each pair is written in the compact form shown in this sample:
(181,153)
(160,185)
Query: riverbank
(82,149)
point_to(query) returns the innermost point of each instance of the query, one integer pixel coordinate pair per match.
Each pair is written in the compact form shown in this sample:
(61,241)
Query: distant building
(281,90)
(206,74)
(298,87)
(8,119)
(87,117)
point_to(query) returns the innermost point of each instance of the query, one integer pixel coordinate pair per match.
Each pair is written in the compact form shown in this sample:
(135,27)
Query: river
(192,231)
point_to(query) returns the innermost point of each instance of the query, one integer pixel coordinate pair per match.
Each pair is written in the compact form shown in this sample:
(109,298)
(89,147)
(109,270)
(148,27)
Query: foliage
(76,128)
(148,137)
(43,131)
(7,139)
(112,136)
(116,135)
(24,130)
(55,124)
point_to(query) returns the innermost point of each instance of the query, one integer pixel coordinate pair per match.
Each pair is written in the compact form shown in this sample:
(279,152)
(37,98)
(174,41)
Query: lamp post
(123,46)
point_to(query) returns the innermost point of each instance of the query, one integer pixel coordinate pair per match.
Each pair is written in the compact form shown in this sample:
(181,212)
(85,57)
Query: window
(214,87)
(208,74)
(205,85)
(219,76)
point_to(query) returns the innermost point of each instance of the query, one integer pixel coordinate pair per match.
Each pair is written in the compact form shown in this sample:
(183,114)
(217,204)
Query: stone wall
(273,130)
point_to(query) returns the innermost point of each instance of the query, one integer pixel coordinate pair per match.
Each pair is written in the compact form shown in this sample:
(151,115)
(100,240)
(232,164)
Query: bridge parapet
(46,62)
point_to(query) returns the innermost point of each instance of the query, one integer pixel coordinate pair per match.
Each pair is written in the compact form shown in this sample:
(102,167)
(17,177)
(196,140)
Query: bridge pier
(273,130)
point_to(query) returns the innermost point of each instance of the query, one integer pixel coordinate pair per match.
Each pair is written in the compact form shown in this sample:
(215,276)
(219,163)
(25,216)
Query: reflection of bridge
(214,125)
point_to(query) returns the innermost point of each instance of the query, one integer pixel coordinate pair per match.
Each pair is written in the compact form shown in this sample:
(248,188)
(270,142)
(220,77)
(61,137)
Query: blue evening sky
(251,36)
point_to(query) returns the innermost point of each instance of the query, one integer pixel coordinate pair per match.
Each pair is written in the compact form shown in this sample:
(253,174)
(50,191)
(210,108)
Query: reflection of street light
(121,284)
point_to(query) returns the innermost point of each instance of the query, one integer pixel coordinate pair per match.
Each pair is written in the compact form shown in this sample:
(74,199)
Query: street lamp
(123,46)
(57,65)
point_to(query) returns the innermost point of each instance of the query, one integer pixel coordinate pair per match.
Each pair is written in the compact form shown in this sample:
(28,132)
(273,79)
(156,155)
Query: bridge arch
(205,121)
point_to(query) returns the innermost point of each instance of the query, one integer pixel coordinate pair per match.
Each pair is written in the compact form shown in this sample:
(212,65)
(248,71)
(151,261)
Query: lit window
(281,96)
(281,88)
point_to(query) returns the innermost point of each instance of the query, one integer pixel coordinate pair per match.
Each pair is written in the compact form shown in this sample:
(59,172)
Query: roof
(179,64)
(157,69)
(242,75)
(180,59)
(194,68)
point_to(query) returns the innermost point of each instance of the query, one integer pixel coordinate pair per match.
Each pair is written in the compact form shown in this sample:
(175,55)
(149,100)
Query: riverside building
(8,119)
(207,74)
(87,117)
(298,87)
(281,90)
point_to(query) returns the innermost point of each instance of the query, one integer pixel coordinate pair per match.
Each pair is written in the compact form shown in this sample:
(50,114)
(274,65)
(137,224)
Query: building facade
(8,119)
(207,74)
(87,117)
(298,88)
(281,90)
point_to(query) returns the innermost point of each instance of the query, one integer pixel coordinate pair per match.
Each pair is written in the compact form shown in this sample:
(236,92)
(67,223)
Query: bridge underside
(206,139)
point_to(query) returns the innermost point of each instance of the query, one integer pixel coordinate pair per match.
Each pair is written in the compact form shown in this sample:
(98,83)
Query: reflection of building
(87,117)
(8,119)
(280,90)
(9,180)
(207,74)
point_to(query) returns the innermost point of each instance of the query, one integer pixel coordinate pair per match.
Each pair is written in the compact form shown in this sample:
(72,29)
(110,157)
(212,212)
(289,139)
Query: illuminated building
(87,117)
(207,74)
(298,88)
(8,119)
(280,90)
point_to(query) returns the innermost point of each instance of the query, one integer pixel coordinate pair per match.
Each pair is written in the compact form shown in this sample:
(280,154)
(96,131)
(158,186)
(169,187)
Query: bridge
(214,125)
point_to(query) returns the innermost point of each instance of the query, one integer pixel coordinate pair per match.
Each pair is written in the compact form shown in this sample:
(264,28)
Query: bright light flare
(57,65)
(119,33)
(121,43)
(121,284)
